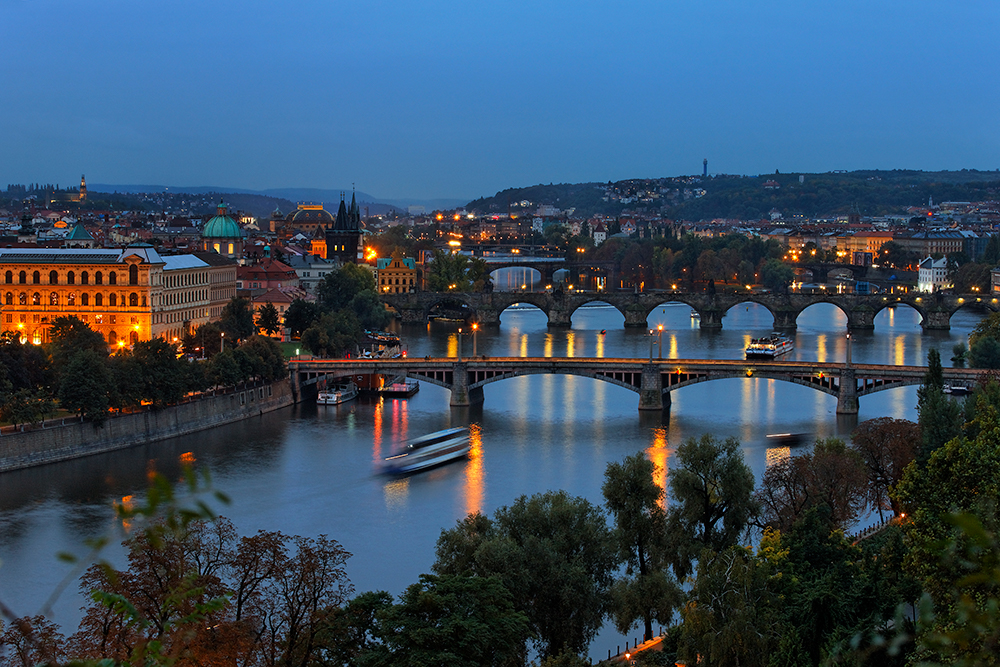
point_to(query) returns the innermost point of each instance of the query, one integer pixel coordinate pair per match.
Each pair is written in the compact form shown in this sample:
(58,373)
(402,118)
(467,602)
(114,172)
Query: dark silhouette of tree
(268,319)
(886,446)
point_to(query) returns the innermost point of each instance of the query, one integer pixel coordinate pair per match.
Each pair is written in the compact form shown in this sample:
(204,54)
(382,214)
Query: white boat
(430,450)
(769,347)
(341,394)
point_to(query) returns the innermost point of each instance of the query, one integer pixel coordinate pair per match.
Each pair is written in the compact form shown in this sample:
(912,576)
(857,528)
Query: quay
(652,379)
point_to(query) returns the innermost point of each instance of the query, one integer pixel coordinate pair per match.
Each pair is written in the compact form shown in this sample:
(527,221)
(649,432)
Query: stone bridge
(652,380)
(935,309)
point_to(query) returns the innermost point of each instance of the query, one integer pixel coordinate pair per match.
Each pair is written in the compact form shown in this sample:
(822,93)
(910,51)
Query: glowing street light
(659,335)
(475,330)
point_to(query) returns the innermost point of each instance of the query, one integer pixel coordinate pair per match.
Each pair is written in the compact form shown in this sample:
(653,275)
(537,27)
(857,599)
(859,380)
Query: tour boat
(430,450)
(769,347)
(341,394)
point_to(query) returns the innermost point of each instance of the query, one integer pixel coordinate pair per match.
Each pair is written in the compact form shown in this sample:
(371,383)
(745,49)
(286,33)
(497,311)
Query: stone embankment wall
(76,439)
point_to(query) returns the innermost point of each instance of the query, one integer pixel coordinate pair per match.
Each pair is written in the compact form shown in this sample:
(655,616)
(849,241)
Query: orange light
(440,217)
(187,458)
(457,217)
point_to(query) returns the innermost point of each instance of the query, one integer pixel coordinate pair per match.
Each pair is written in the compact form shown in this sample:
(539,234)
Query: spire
(342,222)
(355,213)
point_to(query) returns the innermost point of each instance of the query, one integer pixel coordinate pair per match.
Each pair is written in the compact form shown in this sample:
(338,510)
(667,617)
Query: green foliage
(268,319)
(554,554)
(162,377)
(886,447)
(339,287)
(988,327)
(985,353)
(236,319)
(451,620)
(26,406)
(939,417)
(712,499)
(85,384)
(333,335)
(647,592)
(370,310)
(300,315)
(262,358)
(69,334)
(776,275)
(224,369)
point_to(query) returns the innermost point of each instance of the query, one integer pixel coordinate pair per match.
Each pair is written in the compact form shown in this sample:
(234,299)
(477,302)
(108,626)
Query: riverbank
(74,439)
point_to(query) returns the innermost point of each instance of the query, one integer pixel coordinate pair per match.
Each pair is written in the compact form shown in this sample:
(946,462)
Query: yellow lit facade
(125,295)
(396,274)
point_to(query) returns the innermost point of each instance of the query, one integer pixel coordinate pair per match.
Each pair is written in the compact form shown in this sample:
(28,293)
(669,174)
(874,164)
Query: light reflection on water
(310,470)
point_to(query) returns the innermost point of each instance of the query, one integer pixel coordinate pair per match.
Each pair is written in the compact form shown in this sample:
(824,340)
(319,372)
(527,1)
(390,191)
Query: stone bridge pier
(861,318)
(651,389)
(784,320)
(711,319)
(461,395)
(847,397)
(937,319)
(560,317)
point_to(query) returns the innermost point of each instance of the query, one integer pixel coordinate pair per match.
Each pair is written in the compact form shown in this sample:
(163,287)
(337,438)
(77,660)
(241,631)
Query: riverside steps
(486,308)
(652,379)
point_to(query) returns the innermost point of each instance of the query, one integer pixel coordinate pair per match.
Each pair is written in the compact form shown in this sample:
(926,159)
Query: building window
(70,278)
(112,337)
(36,299)
(98,299)
(9,299)
(84,278)
(98,319)
(112,278)
(133,299)
(36,278)
(133,275)
(8,277)
(53,299)
(98,278)
(10,318)
(53,278)
(113,300)
(84,299)
(22,277)
(22,298)
(114,319)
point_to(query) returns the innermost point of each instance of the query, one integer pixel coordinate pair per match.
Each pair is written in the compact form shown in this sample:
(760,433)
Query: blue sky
(462,99)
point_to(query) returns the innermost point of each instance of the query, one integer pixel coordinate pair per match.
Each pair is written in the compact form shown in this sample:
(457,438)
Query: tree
(69,334)
(370,310)
(264,358)
(985,353)
(452,620)
(713,499)
(224,370)
(989,326)
(832,476)
(236,319)
(339,287)
(333,334)
(886,446)
(300,315)
(162,378)
(85,384)
(776,275)
(32,640)
(939,417)
(448,273)
(268,320)
(646,593)
(554,554)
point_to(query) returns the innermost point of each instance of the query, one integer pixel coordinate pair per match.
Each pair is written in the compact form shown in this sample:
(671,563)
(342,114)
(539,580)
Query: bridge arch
(580,302)
(517,277)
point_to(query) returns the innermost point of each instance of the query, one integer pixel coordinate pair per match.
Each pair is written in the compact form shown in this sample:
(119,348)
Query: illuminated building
(222,234)
(343,240)
(126,295)
(396,274)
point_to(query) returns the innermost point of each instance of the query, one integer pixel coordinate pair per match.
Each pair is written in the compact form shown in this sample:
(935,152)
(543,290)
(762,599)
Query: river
(309,470)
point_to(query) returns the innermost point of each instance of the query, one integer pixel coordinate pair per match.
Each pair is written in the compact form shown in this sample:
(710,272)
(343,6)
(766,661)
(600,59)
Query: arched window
(53,277)
(8,277)
(98,299)
(70,278)
(71,299)
(36,278)
(84,278)
(9,300)
(84,299)
(22,298)
(112,278)
(36,299)
(112,337)
(113,300)
(133,337)
(133,275)
(22,277)
(53,299)
(133,299)
(98,278)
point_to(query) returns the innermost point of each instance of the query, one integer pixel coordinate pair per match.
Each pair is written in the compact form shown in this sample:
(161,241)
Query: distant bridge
(653,380)
(486,308)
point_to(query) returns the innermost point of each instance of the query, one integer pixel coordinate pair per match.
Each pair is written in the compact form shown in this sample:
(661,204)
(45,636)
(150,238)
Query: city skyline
(459,101)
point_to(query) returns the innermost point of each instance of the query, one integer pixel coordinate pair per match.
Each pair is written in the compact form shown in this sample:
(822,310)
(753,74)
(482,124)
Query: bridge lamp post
(475,330)
(848,348)
(460,343)
(659,336)
(650,344)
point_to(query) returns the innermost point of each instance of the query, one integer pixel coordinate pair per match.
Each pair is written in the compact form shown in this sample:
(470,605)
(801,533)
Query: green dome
(221,226)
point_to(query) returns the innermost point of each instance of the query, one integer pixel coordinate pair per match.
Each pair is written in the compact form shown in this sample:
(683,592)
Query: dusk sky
(462,99)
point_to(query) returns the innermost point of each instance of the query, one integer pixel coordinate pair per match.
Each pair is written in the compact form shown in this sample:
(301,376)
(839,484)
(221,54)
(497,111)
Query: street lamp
(659,335)
(848,348)
(475,330)
(460,343)
(222,348)
(650,344)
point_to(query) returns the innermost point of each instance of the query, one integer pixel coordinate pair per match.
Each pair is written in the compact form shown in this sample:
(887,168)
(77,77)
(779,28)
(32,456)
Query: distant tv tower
(704,167)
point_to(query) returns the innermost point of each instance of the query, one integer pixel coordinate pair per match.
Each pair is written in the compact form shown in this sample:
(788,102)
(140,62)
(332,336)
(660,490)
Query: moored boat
(340,394)
(769,347)
(430,450)
(403,388)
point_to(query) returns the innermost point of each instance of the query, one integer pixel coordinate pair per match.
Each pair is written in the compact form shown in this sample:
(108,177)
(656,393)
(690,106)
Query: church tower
(343,239)
(83,189)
